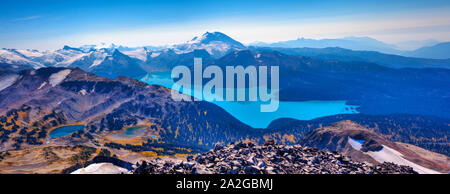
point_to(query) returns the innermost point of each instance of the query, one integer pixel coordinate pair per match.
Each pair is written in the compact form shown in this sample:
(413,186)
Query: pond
(65,130)
(132,132)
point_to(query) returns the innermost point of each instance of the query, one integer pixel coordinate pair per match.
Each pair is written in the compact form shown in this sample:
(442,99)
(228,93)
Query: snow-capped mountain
(87,48)
(113,63)
(83,59)
(139,53)
(19,59)
(111,57)
(216,44)
(87,57)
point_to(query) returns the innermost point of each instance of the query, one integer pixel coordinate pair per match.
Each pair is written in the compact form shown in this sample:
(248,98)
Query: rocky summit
(270,158)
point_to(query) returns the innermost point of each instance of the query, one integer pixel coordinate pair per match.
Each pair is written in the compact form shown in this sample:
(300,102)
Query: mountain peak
(215,43)
(209,37)
(216,33)
(66,47)
(100,46)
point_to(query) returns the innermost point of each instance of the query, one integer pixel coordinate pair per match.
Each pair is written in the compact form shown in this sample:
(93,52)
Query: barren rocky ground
(270,158)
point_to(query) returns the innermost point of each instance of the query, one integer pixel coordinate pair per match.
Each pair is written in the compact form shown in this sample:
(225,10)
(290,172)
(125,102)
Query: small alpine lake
(132,132)
(65,130)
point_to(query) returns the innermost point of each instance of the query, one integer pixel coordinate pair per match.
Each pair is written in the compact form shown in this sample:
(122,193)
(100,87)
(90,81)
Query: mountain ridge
(437,51)
(215,45)
(363,145)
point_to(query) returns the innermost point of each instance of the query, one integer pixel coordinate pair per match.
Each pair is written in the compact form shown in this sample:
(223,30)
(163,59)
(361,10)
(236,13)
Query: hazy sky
(52,24)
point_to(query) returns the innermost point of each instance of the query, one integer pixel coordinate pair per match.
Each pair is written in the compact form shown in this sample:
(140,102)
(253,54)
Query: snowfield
(57,78)
(140,53)
(12,56)
(153,55)
(8,81)
(388,154)
(101,168)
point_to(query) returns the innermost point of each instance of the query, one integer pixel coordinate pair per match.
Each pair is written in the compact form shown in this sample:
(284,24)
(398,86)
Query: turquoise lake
(65,130)
(249,112)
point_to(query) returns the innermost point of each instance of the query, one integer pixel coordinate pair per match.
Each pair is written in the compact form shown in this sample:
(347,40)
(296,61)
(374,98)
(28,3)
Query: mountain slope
(15,60)
(438,51)
(427,132)
(363,145)
(118,64)
(165,61)
(41,100)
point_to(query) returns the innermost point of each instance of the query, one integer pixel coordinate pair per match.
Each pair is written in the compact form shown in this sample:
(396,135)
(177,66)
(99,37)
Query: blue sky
(52,24)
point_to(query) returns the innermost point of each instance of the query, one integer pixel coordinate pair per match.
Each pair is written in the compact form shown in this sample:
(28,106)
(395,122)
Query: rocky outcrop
(270,158)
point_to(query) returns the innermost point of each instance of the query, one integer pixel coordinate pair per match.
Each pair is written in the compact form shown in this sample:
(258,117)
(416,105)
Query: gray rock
(269,158)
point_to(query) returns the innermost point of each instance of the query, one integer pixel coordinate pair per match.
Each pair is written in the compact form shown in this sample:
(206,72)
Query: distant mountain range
(341,54)
(438,51)
(353,43)
(426,49)
(381,83)
(114,60)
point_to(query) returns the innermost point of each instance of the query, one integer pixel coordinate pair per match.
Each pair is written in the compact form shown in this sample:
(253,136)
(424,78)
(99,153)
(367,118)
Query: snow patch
(68,57)
(357,145)
(96,62)
(153,55)
(42,85)
(11,56)
(57,78)
(31,53)
(99,56)
(83,92)
(7,81)
(140,54)
(101,168)
(388,154)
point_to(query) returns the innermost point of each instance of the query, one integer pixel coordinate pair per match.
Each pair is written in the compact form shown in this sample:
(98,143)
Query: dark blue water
(65,130)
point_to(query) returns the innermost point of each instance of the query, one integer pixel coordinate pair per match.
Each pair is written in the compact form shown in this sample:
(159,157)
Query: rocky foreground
(270,158)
